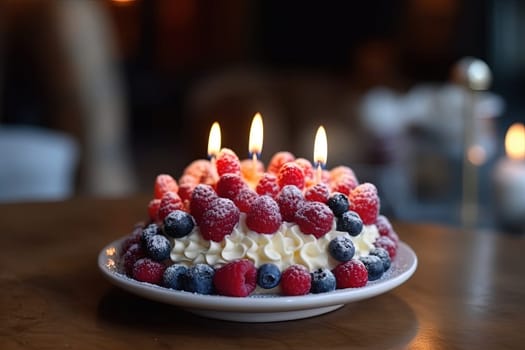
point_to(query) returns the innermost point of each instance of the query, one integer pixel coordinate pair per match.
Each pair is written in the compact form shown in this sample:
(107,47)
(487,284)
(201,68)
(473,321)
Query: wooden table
(468,292)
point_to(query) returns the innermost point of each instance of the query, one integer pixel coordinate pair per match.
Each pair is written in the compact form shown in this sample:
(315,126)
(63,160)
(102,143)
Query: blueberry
(158,247)
(174,276)
(341,248)
(323,280)
(178,224)
(338,203)
(148,232)
(382,254)
(268,276)
(350,222)
(374,266)
(199,279)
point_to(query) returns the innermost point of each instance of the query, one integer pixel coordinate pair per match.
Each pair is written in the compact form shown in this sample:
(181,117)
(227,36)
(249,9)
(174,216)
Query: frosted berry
(245,199)
(341,248)
(227,162)
(344,184)
(264,215)
(130,257)
(202,171)
(339,203)
(365,202)
(350,222)
(229,186)
(158,248)
(147,270)
(174,277)
(268,276)
(164,183)
(289,200)
(169,202)
(268,185)
(385,228)
(351,274)
(201,198)
(178,224)
(308,169)
(236,279)
(134,237)
(317,193)
(278,160)
(296,280)
(291,174)
(314,218)
(387,244)
(342,171)
(323,280)
(186,185)
(374,266)
(148,232)
(219,219)
(199,279)
(382,254)
(153,209)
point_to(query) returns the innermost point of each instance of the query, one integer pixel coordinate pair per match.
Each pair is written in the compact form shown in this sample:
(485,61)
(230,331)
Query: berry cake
(231,228)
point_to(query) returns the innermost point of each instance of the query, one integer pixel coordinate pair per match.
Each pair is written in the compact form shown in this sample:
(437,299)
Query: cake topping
(314,218)
(290,174)
(164,183)
(264,215)
(170,202)
(290,199)
(219,219)
(236,279)
(296,280)
(365,202)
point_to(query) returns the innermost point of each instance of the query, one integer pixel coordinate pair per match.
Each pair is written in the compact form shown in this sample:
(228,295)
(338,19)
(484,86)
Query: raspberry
(134,253)
(264,215)
(296,280)
(290,174)
(340,171)
(351,274)
(164,183)
(317,193)
(236,279)
(229,186)
(307,167)
(387,244)
(344,184)
(132,238)
(202,171)
(290,199)
(169,202)
(385,228)
(147,270)
(227,162)
(201,198)
(153,209)
(268,185)
(245,199)
(365,202)
(219,219)
(314,218)
(186,185)
(278,160)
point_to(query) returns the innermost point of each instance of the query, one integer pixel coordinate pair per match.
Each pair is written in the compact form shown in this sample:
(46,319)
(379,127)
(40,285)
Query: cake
(233,228)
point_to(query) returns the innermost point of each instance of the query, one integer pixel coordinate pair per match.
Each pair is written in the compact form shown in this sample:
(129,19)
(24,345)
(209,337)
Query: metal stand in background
(475,76)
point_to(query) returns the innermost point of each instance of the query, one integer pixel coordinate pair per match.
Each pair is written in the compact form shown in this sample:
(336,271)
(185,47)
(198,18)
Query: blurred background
(97,97)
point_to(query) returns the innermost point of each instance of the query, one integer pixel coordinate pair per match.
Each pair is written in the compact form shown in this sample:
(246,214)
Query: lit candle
(509,180)
(214,141)
(320,152)
(255,142)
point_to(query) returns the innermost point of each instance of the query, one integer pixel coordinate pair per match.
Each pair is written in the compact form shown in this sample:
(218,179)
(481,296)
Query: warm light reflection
(110,264)
(477,155)
(515,142)
(320,147)
(256,135)
(123,2)
(214,141)
(111,251)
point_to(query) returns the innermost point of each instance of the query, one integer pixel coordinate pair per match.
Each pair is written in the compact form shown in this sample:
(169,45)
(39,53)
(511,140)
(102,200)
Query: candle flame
(214,141)
(255,143)
(515,142)
(320,147)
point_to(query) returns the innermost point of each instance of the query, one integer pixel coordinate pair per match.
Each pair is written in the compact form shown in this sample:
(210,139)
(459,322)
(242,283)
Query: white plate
(259,308)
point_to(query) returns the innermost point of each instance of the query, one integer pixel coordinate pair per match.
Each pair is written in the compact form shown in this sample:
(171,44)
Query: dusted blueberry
(178,224)
(268,276)
(341,248)
(338,203)
(350,222)
(199,279)
(323,280)
(174,277)
(382,254)
(158,248)
(148,232)
(374,266)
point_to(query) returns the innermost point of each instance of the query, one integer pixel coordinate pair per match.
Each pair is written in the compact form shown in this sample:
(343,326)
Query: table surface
(467,293)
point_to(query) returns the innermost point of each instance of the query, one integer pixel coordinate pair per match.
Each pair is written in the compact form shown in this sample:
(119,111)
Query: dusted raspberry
(202,171)
(365,202)
(169,202)
(314,218)
(164,183)
(153,209)
(236,279)
(219,219)
(245,199)
(132,238)
(227,162)
(264,215)
(343,184)
(201,198)
(387,244)
(268,185)
(132,254)
(385,228)
(291,174)
(147,270)
(186,185)
(289,200)
(351,274)
(229,186)
(340,171)
(296,280)
(317,193)
(308,169)
(278,160)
